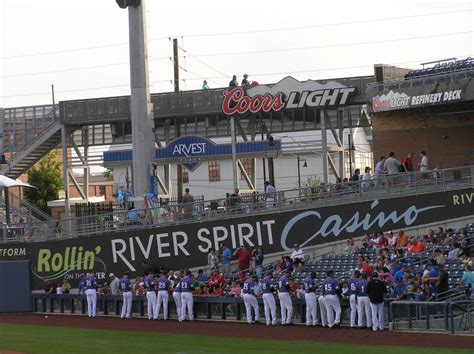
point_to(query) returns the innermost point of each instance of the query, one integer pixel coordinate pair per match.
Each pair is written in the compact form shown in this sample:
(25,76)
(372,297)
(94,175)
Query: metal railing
(385,187)
(442,316)
(420,81)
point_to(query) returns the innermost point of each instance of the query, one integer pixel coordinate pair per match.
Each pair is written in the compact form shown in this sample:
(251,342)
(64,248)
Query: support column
(234,152)
(86,167)
(141,107)
(64,144)
(324,147)
(340,123)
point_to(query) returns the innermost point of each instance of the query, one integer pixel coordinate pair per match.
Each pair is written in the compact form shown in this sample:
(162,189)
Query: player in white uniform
(285,300)
(269,302)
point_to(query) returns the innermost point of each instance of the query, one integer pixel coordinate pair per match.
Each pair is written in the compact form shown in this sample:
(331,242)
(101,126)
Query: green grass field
(42,339)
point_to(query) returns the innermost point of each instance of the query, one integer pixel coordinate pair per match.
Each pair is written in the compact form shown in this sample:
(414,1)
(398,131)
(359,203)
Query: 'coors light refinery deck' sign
(289,93)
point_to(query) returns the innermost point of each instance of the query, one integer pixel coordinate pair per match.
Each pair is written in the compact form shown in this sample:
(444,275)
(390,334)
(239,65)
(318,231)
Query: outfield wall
(186,246)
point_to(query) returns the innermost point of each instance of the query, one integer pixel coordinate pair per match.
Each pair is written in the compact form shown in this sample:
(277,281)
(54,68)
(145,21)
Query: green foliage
(309,187)
(47,179)
(109,174)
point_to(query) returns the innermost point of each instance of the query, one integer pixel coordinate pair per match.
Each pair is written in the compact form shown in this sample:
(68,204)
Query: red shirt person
(243,258)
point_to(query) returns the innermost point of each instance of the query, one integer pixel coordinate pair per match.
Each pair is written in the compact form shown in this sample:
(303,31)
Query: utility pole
(179,167)
(141,107)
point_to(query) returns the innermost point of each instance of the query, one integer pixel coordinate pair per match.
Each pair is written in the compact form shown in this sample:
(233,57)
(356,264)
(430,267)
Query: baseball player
(330,286)
(187,288)
(91,293)
(310,298)
(285,300)
(323,310)
(163,286)
(269,303)
(363,303)
(250,300)
(376,290)
(149,283)
(352,285)
(126,289)
(177,296)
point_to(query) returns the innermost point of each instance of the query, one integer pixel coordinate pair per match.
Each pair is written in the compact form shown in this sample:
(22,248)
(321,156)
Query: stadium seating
(442,68)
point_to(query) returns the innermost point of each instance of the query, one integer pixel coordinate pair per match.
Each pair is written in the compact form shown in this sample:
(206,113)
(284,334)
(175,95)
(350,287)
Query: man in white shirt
(297,253)
(424,163)
(114,284)
(270,195)
(392,165)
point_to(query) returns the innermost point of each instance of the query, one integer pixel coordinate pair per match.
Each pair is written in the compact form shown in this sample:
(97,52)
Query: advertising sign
(289,93)
(186,246)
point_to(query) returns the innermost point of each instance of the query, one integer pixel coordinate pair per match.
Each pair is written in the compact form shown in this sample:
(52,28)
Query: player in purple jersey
(187,289)
(352,285)
(285,300)
(149,283)
(310,298)
(330,286)
(250,300)
(163,286)
(177,296)
(91,293)
(269,300)
(363,303)
(125,287)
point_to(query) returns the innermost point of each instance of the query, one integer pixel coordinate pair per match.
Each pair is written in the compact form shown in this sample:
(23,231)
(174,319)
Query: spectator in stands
(407,167)
(235,200)
(356,175)
(257,256)
(419,294)
(399,291)
(188,201)
(366,178)
(415,246)
(298,266)
(205,86)
(270,195)
(392,166)
(454,253)
(381,240)
(233,82)
(132,215)
(338,186)
(468,280)
(429,237)
(66,287)
(245,81)
(449,238)
(235,289)
(378,173)
(49,288)
(351,248)
(4,160)
(212,261)
(297,253)
(367,243)
(423,165)
(226,258)
(217,280)
(114,284)
(202,277)
(439,235)
(438,256)
(465,251)
(402,239)
(441,282)
(243,257)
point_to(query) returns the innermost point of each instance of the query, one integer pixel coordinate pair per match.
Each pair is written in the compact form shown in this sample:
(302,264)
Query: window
(214,171)
(248,165)
(102,191)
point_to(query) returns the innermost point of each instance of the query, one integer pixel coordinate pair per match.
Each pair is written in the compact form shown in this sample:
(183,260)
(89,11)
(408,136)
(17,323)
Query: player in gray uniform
(352,285)
(330,286)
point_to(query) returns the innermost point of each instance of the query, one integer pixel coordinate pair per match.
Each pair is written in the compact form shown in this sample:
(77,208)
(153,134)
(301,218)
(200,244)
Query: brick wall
(447,140)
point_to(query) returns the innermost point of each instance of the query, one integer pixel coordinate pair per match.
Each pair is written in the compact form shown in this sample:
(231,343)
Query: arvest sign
(185,246)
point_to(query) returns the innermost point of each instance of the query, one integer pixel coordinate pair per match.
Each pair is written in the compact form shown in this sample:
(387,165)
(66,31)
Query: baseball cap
(111,275)
(330,272)
(375,274)
(357,271)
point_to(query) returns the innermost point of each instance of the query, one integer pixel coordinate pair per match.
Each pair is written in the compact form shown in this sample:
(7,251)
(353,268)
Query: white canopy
(9,182)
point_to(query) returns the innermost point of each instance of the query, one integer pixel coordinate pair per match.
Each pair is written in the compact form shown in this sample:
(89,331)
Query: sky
(81,47)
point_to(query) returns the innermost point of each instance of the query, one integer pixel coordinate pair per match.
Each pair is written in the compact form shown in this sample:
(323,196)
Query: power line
(239,33)
(75,69)
(77,90)
(332,45)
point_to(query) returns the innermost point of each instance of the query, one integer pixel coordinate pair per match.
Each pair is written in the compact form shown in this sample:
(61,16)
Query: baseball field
(78,334)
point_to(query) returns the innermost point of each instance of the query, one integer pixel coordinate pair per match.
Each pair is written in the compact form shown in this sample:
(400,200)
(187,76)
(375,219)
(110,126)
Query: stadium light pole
(141,107)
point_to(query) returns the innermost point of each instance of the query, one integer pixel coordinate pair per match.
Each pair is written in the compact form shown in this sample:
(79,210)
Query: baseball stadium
(330,213)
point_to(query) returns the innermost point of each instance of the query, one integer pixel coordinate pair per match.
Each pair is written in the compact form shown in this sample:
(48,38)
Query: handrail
(296,199)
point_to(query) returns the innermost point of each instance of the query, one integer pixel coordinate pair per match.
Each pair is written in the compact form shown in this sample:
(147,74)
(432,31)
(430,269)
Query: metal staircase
(37,138)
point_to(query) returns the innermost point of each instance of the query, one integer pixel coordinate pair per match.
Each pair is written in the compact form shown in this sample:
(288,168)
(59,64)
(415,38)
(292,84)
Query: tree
(46,177)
